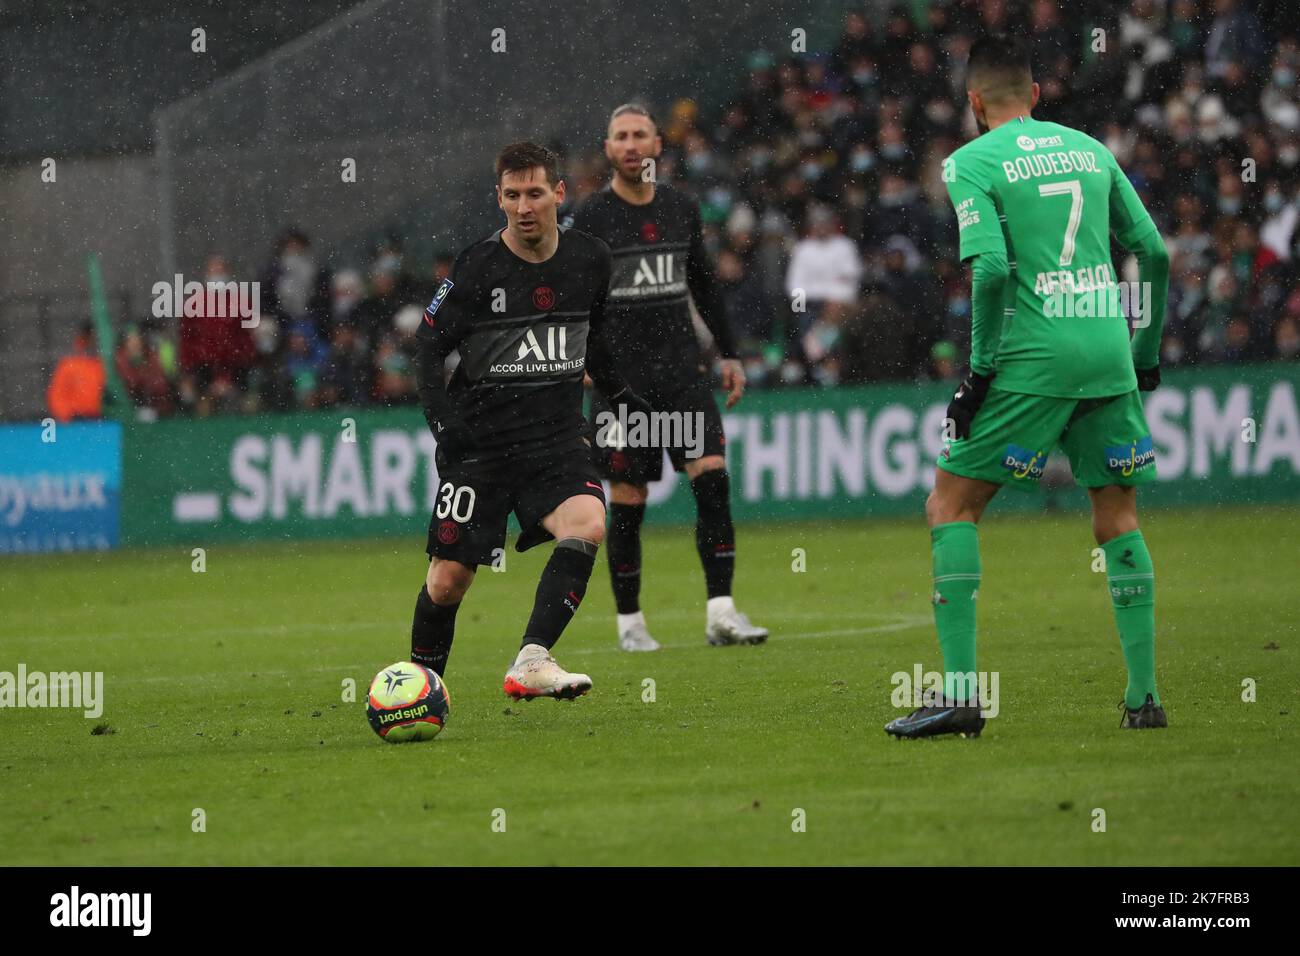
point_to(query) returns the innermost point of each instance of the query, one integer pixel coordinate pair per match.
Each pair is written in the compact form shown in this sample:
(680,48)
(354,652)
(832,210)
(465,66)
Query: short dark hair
(520,157)
(999,67)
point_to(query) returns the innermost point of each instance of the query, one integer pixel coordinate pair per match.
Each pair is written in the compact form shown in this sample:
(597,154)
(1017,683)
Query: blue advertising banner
(60,486)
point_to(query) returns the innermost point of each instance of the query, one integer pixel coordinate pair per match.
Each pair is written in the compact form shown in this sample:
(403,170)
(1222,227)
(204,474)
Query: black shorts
(644,464)
(474,502)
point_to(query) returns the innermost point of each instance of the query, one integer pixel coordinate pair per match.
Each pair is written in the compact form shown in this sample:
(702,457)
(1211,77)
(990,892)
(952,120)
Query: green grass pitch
(224,692)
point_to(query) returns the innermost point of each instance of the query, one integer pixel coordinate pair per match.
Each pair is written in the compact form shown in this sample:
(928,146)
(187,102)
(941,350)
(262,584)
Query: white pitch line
(779,637)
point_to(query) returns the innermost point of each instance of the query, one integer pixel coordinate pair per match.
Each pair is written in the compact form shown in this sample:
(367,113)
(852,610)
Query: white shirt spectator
(827,269)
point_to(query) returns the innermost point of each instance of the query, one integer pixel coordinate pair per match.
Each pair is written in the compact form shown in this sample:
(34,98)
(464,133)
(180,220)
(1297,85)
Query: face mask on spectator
(939,111)
(1288,155)
(1273,201)
(894,152)
(864,77)
(296,262)
(863,161)
(1229,206)
(266,335)
(1284,77)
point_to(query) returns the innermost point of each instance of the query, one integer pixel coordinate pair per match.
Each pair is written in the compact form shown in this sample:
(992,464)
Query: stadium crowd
(822,195)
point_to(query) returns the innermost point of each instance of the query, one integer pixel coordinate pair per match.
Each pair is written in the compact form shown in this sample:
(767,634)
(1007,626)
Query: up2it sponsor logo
(1023,463)
(1125,460)
(1031,143)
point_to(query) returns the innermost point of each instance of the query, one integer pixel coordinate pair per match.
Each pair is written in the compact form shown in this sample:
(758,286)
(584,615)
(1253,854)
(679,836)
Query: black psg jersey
(659,258)
(524,331)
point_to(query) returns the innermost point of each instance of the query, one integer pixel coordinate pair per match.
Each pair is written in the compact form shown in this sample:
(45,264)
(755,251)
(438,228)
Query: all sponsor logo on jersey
(656,270)
(1023,463)
(541,350)
(647,277)
(1125,460)
(556,345)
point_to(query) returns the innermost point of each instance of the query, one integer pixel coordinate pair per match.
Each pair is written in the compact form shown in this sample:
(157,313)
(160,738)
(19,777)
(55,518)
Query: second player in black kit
(659,264)
(527,324)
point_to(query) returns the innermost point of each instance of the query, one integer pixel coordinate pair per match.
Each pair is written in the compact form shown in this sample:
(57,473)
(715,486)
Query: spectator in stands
(749,310)
(304,362)
(394,374)
(1286,339)
(857,136)
(905,278)
(348,289)
(873,345)
(943,362)
(345,377)
(77,387)
(389,291)
(294,287)
(1234,42)
(825,269)
(142,375)
(216,350)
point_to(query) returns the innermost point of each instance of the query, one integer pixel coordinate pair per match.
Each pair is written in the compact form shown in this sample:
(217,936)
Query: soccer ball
(407,702)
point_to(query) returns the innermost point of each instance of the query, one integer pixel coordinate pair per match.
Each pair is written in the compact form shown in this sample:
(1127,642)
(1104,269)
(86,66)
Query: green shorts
(1106,440)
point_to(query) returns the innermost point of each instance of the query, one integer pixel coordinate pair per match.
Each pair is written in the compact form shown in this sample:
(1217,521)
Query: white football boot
(726,625)
(535,674)
(633,635)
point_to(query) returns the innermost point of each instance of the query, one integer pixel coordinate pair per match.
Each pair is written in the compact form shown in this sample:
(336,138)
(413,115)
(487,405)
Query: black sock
(559,592)
(624,548)
(432,631)
(715,538)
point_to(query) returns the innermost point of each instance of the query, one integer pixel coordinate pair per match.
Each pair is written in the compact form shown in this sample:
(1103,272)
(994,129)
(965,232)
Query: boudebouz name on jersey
(659,257)
(526,332)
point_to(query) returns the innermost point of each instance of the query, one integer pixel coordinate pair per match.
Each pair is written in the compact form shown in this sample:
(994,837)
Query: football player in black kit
(524,309)
(655,236)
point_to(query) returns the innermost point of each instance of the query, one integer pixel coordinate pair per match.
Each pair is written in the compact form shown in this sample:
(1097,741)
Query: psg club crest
(449,532)
(649,232)
(544,298)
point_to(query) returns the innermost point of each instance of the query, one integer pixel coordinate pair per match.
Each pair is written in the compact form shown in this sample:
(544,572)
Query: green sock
(955,550)
(1132,583)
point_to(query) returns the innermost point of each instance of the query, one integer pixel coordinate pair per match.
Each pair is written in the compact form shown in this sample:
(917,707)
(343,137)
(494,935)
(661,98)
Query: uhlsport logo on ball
(407,702)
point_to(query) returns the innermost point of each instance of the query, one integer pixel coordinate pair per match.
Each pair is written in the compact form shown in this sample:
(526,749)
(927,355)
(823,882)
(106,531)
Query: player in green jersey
(1051,364)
